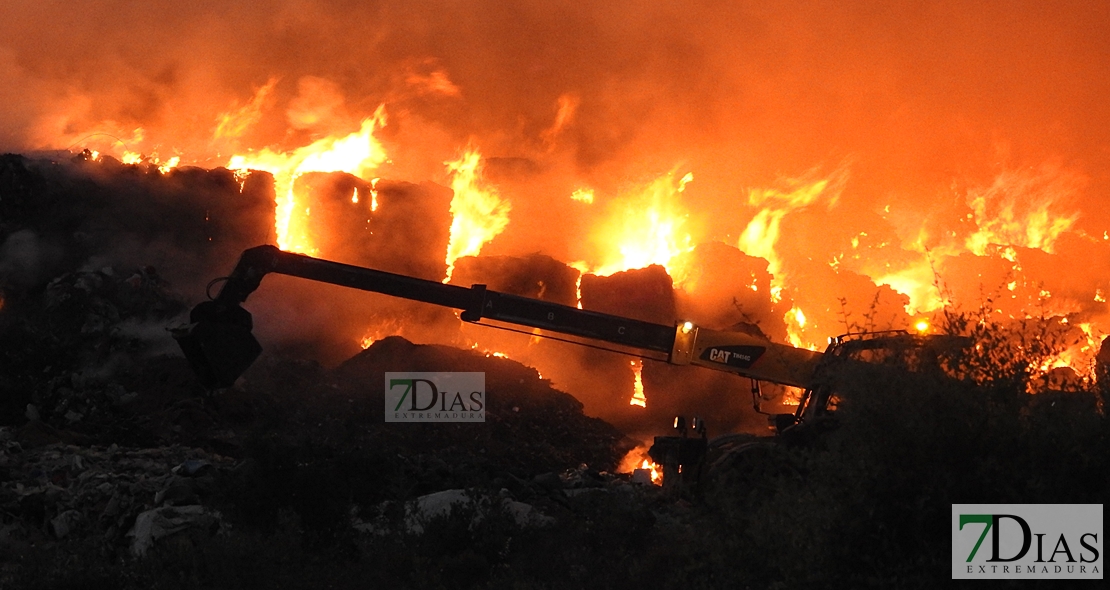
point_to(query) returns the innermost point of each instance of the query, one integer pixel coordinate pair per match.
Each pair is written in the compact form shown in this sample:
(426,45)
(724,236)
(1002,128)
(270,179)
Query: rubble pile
(110,448)
(530,426)
(75,352)
(105,495)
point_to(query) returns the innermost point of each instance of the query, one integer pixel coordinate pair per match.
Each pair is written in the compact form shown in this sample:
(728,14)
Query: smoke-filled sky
(912,94)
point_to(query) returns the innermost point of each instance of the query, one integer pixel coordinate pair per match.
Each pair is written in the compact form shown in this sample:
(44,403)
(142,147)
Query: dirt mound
(529,425)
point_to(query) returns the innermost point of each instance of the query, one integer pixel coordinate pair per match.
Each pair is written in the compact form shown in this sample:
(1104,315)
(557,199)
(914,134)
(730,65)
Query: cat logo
(719,356)
(734,356)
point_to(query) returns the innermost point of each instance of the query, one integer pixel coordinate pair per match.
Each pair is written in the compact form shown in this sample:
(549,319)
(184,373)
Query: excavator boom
(219,344)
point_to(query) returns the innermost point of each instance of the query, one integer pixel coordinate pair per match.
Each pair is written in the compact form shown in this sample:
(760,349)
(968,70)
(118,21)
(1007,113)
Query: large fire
(965,175)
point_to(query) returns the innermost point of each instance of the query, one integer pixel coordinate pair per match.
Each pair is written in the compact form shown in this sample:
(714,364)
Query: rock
(65,523)
(194,468)
(550,481)
(96,491)
(162,522)
(178,494)
(38,434)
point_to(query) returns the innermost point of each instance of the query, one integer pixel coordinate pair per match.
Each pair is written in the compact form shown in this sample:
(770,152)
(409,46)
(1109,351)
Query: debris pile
(530,426)
(110,448)
(105,495)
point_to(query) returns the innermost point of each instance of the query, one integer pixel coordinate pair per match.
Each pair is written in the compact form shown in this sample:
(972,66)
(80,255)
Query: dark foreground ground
(292,479)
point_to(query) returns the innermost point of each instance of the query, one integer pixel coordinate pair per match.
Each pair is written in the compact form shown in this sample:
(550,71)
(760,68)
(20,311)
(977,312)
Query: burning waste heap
(112,447)
(664,174)
(106,423)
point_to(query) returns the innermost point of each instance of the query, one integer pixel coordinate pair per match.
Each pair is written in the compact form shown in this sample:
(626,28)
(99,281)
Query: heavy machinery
(219,345)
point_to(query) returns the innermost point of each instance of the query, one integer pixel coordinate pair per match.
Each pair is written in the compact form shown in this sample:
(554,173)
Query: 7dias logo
(1016,541)
(435,397)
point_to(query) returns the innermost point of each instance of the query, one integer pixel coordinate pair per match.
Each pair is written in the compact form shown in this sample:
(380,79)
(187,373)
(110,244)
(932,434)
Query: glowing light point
(583,195)
(638,398)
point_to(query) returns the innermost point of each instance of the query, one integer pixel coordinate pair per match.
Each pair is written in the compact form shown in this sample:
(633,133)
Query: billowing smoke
(854,165)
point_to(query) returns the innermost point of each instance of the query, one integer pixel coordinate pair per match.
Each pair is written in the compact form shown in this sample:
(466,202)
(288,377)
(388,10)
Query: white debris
(163,522)
(423,509)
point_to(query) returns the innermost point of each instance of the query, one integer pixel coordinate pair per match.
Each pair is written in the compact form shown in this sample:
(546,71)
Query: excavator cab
(870,353)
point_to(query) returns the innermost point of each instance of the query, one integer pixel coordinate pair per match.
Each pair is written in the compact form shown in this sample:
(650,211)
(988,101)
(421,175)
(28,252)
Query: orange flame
(637,459)
(135,158)
(170,164)
(915,281)
(795,325)
(638,398)
(356,153)
(236,121)
(762,233)
(478,212)
(647,228)
(1021,209)
(583,195)
(582,268)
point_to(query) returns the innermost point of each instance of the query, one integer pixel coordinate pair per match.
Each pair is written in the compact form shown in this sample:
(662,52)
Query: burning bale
(645,294)
(411,228)
(394,226)
(724,287)
(58,216)
(535,276)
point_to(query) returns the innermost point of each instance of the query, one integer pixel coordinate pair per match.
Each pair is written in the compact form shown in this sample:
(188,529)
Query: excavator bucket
(218,343)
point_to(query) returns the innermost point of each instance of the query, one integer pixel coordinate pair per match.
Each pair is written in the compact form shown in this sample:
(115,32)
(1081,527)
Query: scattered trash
(152,525)
(420,511)
(65,490)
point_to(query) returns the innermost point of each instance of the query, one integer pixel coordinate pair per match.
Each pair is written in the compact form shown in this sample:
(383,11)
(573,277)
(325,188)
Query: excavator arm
(219,345)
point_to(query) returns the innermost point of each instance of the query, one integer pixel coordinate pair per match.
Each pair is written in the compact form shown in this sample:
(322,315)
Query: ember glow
(638,459)
(638,398)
